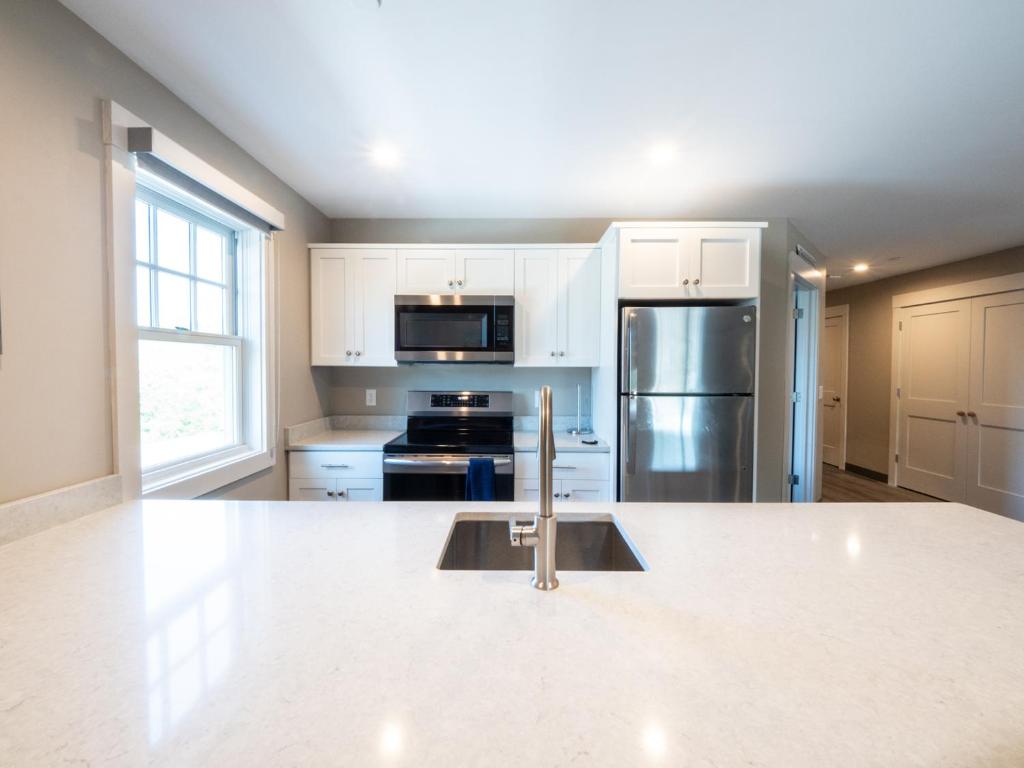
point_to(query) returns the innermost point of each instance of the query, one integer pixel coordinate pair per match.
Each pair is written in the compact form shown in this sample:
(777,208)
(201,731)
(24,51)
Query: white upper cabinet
(484,271)
(469,271)
(557,306)
(689,262)
(426,270)
(352,317)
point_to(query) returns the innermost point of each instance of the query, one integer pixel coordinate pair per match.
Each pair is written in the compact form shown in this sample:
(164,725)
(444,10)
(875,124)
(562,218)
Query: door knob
(696,281)
(972,414)
(565,495)
(960,413)
(552,354)
(348,353)
(558,495)
(561,354)
(686,281)
(341,493)
(835,398)
(451,283)
(331,494)
(458,283)
(358,353)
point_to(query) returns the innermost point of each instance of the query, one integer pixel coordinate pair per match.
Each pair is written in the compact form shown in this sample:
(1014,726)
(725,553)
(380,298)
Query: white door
(725,263)
(311,490)
(485,271)
(933,398)
(426,271)
(330,310)
(579,310)
(536,291)
(995,414)
(653,263)
(833,381)
(583,490)
(373,308)
(360,490)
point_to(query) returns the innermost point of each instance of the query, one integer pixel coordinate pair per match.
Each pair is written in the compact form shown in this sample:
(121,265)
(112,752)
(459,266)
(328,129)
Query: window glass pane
(141,231)
(142,294)
(209,308)
(186,400)
(209,254)
(172,243)
(173,300)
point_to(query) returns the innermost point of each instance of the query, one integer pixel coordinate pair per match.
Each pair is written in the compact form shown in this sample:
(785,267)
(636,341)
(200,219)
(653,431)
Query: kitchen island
(274,633)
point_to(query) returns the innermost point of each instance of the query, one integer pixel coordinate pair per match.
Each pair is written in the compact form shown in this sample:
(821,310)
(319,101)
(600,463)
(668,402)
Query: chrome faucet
(541,533)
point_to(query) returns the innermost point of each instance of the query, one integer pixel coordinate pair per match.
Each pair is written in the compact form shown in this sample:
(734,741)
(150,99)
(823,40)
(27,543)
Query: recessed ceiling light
(385,155)
(860,267)
(662,153)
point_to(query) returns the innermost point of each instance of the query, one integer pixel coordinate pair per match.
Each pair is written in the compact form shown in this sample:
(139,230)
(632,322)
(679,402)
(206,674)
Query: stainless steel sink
(480,542)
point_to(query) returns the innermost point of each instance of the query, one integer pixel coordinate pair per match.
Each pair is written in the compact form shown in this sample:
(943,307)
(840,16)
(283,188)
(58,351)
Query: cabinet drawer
(367,464)
(311,490)
(579,466)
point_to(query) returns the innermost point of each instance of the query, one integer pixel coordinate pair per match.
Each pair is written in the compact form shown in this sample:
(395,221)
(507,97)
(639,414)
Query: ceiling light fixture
(860,267)
(385,155)
(662,153)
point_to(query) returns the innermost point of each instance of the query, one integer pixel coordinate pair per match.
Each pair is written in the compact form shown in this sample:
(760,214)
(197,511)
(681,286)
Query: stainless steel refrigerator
(686,398)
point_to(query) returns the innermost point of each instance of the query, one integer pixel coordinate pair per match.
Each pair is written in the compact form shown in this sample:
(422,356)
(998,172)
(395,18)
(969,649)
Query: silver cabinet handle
(451,283)
(309,488)
(561,354)
(558,495)
(552,354)
(341,493)
(972,414)
(686,281)
(565,495)
(459,283)
(961,413)
(696,281)
(335,466)
(358,353)
(348,353)
(557,467)
(331,494)
(835,398)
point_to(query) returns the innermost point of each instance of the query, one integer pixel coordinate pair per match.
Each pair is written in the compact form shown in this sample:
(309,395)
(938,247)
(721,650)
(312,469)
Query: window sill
(222,469)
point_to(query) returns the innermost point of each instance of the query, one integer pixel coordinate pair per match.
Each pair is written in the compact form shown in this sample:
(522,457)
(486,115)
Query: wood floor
(837,485)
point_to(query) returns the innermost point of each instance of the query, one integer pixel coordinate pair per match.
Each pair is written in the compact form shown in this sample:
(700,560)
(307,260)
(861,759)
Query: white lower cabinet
(335,476)
(576,477)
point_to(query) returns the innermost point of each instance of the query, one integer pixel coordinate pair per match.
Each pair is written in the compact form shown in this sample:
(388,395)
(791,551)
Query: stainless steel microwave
(454,329)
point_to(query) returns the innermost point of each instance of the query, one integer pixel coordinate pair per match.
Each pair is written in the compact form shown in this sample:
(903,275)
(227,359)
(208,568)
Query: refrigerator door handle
(630,368)
(631,435)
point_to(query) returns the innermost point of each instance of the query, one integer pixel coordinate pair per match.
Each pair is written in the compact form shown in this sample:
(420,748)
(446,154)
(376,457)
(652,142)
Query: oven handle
(412,462)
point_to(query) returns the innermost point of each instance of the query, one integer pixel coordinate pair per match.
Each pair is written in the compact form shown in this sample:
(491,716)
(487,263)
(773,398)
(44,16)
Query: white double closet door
(961,404)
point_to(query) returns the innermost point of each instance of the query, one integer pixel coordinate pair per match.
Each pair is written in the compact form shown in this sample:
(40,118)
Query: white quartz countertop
(345,440)
(374,440)
(271,633)
(527,441)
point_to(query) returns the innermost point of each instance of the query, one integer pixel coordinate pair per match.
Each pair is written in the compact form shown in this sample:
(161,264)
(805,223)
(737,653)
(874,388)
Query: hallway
(837,485)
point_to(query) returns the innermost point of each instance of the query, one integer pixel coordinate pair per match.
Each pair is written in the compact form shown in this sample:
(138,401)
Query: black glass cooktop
(454,434)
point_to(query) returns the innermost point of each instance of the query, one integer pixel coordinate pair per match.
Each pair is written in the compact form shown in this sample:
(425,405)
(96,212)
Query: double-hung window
(189,351)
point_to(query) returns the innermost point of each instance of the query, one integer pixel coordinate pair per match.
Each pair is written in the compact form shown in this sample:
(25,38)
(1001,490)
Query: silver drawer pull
(335,466)
(555,466)
(307,488)
(396,462)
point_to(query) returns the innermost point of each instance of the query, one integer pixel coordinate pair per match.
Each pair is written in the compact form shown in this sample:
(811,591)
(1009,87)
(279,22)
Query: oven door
(433,477)
(454,329)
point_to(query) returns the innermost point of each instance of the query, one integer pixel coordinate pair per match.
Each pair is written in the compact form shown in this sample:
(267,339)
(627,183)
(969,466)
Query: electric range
(429,461)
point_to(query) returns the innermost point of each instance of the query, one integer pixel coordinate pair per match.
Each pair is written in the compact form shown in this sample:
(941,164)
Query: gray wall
(348,386)
(55,416)
(468,230)
(870,346)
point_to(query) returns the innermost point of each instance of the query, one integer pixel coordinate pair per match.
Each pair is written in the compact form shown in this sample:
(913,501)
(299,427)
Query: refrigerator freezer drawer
(692,350)
(695,448)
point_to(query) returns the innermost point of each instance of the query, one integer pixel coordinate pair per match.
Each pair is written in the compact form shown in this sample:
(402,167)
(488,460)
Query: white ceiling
(890,132)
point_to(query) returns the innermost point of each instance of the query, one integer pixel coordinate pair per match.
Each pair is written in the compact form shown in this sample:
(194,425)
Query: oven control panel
(459,400)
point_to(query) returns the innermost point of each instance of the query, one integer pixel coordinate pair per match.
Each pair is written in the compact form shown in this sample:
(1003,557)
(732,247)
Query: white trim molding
(842,310)
(31,515)
(1001,284)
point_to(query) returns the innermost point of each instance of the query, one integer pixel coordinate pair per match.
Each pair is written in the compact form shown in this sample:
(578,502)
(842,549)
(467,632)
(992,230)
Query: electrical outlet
(371,397)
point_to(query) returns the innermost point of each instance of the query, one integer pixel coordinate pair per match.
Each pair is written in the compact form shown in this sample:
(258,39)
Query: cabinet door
(995,414)
(536,291)
(582,490)
(484,271)
(526,489)
(360,490)
(579,306)
(373,304)
(318,489)
(934,380)
(725,263)
(426,271)
(653,263)
(331,275)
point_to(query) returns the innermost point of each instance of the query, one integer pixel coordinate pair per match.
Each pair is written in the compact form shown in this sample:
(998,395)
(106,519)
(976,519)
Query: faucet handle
(522,535)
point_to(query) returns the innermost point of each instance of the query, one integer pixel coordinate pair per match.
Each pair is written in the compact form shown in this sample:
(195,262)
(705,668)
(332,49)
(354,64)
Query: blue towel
(480,480)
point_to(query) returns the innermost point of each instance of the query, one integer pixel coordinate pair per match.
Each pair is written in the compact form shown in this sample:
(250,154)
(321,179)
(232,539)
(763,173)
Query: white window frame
(256,322)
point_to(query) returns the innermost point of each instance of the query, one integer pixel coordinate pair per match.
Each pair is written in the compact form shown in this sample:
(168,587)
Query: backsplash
(348,386)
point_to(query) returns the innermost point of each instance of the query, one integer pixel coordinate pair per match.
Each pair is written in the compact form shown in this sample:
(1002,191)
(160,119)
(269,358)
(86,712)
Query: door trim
(842,310)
